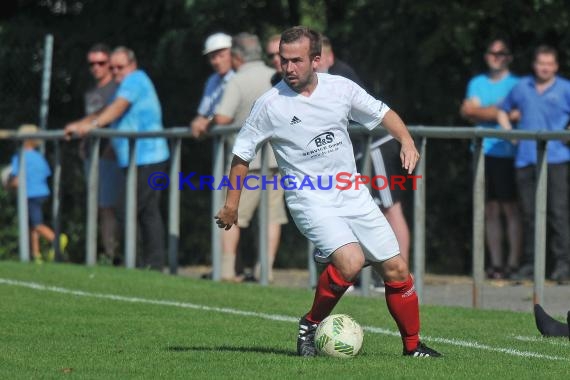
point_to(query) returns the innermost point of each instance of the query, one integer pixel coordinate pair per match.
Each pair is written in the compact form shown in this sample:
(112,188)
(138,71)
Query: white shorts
(371,231)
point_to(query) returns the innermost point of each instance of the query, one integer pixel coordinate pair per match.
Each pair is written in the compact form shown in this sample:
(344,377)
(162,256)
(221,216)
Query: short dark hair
(297,32)
(545,49)
(100,48)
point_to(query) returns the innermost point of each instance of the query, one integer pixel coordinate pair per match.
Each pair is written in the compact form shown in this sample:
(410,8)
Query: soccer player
(305,119)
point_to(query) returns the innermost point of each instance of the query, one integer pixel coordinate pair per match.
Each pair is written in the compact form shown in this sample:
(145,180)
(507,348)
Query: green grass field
(108,323)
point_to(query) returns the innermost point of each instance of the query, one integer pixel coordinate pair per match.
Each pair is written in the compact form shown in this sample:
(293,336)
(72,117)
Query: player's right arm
(228,214)
(257,130)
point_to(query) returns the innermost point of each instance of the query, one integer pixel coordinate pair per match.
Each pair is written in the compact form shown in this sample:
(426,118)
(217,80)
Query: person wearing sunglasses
(484,92)
(98,96)
(135,107)
(103,89)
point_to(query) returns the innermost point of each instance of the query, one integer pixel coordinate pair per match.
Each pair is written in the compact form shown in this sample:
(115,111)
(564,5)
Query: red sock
(330,288)
(402,302)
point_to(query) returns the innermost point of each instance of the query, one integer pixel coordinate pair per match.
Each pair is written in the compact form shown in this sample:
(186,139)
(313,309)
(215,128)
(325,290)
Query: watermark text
(341,181)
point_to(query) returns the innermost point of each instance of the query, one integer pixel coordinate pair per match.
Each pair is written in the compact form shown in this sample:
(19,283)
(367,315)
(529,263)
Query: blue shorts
(35,212)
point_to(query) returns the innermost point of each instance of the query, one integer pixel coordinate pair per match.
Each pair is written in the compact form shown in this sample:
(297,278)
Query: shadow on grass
(260,350)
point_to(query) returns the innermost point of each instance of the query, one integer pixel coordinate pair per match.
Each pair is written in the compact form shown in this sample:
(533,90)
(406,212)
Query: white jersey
(311,143)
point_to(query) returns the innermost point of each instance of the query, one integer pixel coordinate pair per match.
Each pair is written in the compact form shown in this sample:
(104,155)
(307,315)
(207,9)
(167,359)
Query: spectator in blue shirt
(136,108)
(37,192)
(217,49)
(544,104)
(484,92)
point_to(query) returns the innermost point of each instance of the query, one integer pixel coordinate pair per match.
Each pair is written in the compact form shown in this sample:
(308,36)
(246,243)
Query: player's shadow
(260,350)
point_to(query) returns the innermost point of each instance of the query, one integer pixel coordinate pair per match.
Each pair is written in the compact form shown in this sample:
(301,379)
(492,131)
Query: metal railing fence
(219,135)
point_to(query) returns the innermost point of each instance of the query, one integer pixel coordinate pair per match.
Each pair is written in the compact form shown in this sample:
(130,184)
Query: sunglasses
(97,63)
(500,53)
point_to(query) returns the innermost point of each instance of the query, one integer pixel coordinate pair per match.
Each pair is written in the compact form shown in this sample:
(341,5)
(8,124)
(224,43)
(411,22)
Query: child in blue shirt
(37,173)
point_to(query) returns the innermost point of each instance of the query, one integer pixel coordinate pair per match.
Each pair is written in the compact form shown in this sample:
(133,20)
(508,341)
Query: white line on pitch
(561,341)
(273,317)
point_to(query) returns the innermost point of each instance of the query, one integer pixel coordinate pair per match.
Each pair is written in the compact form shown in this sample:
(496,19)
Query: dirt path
(447,290)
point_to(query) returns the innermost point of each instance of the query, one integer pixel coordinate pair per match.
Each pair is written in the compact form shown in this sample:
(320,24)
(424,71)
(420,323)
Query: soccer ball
(339,335)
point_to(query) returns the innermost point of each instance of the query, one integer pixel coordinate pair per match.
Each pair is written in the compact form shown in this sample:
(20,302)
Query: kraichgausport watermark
(340,181)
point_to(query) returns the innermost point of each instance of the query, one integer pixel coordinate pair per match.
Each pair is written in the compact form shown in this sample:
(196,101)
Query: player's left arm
(228,214)
(396,127)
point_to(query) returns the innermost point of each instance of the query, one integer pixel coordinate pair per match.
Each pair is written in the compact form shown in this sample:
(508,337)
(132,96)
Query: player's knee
(354,268)
(350,268)
(395,269)
(349,260)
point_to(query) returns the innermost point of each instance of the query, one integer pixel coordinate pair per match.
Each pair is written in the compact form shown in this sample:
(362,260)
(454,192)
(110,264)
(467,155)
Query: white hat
(216,42)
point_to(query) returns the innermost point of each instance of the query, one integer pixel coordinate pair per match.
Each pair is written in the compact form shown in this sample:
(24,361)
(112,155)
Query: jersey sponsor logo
(294,120)
(321,140)
(322,145)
